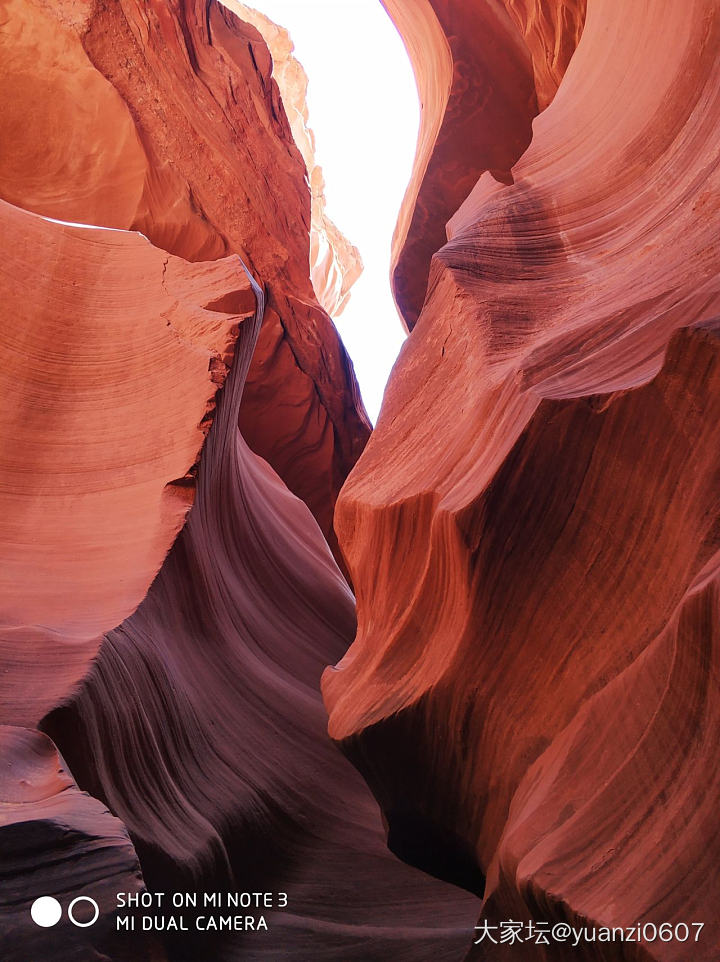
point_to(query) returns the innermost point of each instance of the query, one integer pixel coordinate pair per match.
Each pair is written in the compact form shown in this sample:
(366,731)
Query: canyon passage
(442,688)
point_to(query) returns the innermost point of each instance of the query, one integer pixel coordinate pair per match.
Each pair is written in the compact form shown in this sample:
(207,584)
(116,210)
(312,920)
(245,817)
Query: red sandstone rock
(57,841)
(532,530)
(483,72)
(200,722)
(110,357)
(163,117)
(201,725)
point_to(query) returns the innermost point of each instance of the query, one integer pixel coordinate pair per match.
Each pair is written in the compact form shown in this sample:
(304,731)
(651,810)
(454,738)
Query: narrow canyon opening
(396,692)
(361,97)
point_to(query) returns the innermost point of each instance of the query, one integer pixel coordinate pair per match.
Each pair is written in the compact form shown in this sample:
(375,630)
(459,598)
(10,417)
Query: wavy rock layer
(201,726)
(59,842)
(163,117)
(200,722)
(533,528)
(111,354)
(483,70)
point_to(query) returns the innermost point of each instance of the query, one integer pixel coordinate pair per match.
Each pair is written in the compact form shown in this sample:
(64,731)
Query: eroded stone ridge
(187,140)
(111,354)
(532,531)
(59,844)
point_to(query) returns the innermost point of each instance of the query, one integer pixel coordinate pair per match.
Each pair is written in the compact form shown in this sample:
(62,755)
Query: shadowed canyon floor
(516,714)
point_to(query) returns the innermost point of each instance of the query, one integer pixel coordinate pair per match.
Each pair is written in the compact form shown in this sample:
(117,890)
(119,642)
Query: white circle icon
(83,898)
(46,911)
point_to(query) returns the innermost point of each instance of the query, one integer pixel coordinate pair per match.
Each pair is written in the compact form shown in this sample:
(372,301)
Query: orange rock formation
(483,71)
(532,529)
(533,690)
(111,356)
(191,146)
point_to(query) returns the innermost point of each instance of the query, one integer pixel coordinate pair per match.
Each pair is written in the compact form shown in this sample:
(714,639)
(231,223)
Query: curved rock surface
(201,725)
(57,841)
(111,354)
(163,117)
(200,722)
(483,69)
(532,530)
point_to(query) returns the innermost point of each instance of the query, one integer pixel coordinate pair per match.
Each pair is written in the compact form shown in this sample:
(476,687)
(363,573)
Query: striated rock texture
(178,674)
(111,353)
(533,692)
(201,725)
(59,842)
(163,117)
(483,69)
(533,529)
(335,264)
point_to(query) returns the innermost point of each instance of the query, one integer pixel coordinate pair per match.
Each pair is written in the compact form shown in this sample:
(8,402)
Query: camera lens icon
(82,922)
(83,911)
(46,912)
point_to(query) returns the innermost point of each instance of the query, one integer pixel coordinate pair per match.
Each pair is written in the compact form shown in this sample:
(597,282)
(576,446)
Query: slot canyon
(425,683)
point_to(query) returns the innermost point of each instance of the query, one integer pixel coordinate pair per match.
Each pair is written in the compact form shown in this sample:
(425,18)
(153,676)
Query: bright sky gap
(363,108)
